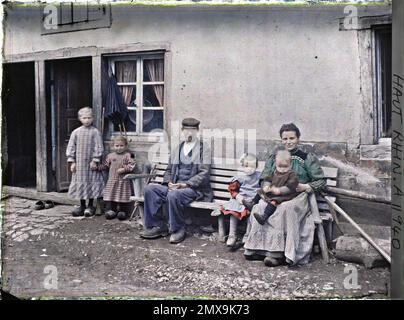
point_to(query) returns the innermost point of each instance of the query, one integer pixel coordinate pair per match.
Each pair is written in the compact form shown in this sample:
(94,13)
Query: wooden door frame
(44,168)
(67,77)
(43,178)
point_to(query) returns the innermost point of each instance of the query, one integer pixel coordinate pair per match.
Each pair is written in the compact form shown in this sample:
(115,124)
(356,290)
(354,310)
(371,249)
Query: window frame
(139,57)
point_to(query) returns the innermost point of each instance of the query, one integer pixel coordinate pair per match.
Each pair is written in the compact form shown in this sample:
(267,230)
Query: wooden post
(323,242)
(40,127)
(397,145)
(97,97)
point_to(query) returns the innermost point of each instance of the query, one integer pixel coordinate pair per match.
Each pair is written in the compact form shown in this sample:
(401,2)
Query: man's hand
(120,171)
(304,187)
(93,165)
(73,167)
(174,186)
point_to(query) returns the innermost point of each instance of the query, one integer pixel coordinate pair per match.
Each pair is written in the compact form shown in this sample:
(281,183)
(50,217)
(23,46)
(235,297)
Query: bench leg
(330,232)
(141,213)
(221,229)
(323,242)
(135,207)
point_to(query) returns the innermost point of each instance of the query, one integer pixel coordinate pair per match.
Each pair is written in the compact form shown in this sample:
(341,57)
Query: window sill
(141,137)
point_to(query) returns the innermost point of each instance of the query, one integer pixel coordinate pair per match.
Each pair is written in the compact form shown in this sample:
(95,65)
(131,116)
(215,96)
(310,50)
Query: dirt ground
(48,253)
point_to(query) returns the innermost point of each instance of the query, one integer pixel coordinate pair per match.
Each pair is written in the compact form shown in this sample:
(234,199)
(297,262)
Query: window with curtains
(140,79)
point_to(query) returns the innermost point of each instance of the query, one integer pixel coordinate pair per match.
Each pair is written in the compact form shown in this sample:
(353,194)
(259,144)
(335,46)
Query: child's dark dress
(285,179)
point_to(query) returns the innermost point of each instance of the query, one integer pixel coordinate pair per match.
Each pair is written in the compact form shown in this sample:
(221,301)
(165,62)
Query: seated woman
(287,236)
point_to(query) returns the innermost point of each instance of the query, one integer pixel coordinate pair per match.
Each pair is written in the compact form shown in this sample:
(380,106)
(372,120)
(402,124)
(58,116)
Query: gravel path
(50,253)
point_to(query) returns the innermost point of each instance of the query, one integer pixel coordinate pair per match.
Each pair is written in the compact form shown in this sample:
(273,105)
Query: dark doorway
(383,60)
(70,88)
(18,127)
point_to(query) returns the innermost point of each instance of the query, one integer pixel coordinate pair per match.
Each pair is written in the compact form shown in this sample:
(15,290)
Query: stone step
(354,248)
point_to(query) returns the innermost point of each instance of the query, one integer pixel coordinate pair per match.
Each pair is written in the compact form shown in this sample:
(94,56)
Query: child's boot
(231,240)
(269,210)
(90,211)
(110,214)
(121,215)
(78,211)
(123,209)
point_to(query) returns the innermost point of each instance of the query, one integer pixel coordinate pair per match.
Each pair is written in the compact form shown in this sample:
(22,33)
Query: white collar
(188,146)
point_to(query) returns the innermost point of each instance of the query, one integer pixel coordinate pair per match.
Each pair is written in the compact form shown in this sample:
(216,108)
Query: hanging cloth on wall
(115,110)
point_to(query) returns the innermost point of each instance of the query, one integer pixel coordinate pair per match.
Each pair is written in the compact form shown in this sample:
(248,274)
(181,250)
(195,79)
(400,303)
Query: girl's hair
(121,139)
(85,111)
(283,156)
(248,157)
(289,127)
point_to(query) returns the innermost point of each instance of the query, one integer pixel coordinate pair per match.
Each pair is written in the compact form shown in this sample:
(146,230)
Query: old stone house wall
(250,68)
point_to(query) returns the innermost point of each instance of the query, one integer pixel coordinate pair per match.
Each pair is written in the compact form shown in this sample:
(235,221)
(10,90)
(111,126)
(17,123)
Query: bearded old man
(186,180)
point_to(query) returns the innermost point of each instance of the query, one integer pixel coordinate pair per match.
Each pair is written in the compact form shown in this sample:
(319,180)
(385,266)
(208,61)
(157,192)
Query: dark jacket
(200,170)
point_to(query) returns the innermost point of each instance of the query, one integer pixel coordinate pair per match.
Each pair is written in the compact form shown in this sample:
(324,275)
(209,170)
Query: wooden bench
(221,173)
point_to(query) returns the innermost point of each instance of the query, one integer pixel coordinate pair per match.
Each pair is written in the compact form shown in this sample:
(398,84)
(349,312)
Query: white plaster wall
(236,69)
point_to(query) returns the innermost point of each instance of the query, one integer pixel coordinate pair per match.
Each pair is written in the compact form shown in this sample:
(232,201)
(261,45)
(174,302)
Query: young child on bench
(242,187)
(276,188)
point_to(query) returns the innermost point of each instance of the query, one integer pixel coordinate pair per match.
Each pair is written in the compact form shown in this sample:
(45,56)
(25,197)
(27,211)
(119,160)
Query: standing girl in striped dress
(117,191)
(84,152)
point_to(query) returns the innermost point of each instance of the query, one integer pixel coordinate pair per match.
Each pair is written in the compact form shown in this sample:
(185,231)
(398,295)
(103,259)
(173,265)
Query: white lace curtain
(126,72)
(155,71)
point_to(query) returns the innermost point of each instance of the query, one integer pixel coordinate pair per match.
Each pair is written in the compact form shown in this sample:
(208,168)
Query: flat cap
(190,123)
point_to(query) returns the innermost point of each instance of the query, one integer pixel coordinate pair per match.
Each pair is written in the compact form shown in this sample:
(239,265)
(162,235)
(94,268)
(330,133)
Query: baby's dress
(117,189)
(248,189)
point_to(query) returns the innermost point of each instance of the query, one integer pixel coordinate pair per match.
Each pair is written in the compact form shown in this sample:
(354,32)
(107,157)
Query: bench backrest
(224,169)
